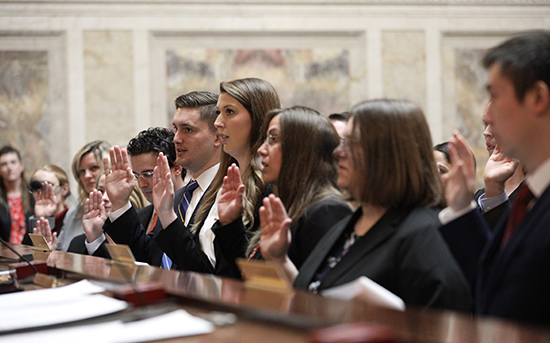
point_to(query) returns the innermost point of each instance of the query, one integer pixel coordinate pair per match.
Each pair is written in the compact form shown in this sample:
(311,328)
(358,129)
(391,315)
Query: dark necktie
(519,209)
(184,205)
(186,198)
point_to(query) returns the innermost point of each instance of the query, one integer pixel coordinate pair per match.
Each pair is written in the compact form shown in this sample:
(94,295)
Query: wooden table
(267,316)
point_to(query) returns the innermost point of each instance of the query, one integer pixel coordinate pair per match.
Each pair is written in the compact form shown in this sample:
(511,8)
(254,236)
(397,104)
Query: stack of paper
(367,290)
(41,308)
(171,325)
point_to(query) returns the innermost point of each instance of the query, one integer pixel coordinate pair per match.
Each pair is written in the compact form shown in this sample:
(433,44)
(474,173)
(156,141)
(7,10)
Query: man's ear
(541,98)
(177,169)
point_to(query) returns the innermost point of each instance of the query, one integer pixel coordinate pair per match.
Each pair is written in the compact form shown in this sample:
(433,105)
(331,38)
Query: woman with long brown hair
(386,163)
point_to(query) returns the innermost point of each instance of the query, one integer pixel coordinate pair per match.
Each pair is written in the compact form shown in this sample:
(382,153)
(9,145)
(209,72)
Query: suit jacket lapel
(379,233)
(192,219)
(145,215)
(322,249)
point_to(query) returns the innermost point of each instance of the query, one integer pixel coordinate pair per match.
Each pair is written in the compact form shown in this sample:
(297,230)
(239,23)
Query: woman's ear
(65,189)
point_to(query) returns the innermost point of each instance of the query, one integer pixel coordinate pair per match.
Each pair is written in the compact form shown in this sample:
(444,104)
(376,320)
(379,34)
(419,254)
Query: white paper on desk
(63,311)
(367,290)
(49,295)
(171,325)
(93,333)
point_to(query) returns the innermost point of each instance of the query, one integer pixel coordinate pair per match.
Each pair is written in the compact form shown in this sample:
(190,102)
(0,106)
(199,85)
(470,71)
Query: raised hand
(119,180)
(231,202)
(94,216)
(459,187)
(46,201)
(275,238)
(163,192)
(275,224)
(498,169)
(43,228)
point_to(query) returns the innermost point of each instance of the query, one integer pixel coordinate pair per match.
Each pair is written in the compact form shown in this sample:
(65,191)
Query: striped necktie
(182,209)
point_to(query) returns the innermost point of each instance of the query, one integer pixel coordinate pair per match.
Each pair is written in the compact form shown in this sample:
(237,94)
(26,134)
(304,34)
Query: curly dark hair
(154,139)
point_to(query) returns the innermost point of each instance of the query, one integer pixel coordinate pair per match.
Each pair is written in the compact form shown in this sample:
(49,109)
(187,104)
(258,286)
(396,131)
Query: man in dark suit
(509,269)
(197,150)
(143,150)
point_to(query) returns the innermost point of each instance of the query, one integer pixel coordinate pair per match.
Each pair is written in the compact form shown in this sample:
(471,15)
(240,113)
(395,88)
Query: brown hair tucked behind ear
(258,97)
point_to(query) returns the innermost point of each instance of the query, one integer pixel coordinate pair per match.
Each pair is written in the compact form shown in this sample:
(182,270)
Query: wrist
(167,219)
(493,188)
(91,237)
(118,205)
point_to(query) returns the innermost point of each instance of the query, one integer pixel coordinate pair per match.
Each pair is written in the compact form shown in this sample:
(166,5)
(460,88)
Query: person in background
(442,159)
(393,238)
(133,226)
(86,168)
(50,188)
(502,177)
(96,207)
(339,121)
(16,203)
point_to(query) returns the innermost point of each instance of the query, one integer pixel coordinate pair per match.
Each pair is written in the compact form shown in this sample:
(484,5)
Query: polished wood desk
(266,316)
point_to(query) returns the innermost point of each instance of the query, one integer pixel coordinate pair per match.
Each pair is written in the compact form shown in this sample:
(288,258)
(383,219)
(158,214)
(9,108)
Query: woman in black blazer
(387,165)
(298,161)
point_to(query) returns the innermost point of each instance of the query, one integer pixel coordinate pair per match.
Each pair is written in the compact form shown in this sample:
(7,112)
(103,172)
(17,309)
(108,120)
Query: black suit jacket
(143,216)
(183,247)
(306,232)
(493,216)
(512,282)
(403,252)
(127,229)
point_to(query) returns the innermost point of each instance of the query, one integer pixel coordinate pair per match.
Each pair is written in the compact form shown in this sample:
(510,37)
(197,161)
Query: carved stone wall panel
(464,90)
(33,115)
(109,85)
(404,64)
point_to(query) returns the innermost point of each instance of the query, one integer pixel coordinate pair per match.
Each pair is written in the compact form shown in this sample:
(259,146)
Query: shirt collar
(538,180)
(205,179)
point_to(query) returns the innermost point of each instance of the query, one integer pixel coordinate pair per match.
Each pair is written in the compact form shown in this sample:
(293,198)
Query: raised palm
(275,224)
(94,216)
(46,201)
(119,180)
(231,202)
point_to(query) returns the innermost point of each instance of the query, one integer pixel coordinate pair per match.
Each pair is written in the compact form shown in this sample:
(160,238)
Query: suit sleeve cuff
(92,247)
(118,213)
(447,215)
(488,204)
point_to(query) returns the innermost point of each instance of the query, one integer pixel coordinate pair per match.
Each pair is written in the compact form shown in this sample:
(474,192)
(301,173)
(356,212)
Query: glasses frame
(271,140)
(148,175)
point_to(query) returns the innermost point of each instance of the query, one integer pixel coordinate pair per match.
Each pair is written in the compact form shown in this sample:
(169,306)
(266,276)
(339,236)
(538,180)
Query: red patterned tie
(517,213)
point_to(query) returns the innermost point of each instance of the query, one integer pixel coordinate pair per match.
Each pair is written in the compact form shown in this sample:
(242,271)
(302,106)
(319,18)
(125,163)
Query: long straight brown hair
(258,97)
(308,170)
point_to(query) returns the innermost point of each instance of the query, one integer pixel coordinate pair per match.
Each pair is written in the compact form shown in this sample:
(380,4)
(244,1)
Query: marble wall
(109,85)
(75,71)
